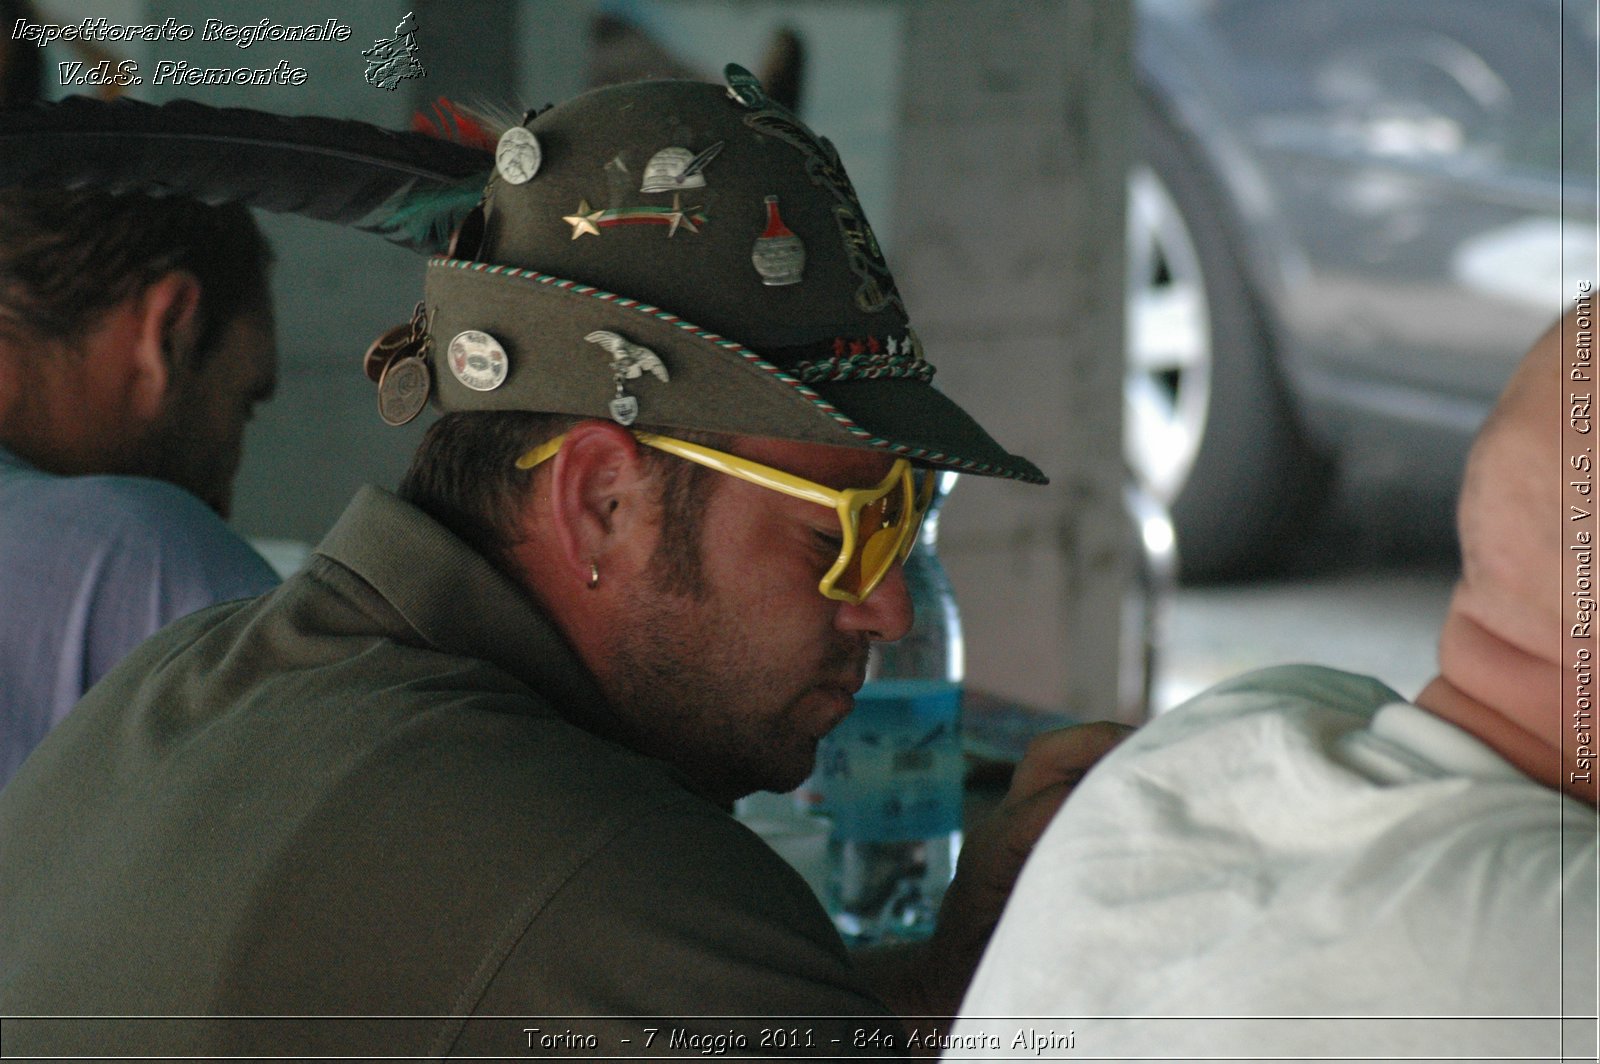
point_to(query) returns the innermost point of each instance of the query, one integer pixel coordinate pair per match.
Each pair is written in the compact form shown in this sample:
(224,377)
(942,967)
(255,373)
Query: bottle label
(892,771)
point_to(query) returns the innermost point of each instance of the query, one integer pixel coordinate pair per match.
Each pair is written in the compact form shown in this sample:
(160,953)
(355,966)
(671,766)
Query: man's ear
(599,501)
(166,329)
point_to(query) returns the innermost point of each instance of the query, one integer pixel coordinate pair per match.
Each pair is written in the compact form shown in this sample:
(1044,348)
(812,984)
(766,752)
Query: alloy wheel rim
(1168,369)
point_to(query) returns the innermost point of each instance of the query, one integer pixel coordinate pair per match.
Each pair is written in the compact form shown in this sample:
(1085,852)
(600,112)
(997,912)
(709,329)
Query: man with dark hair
(463,785)
(136,337)
(458,477)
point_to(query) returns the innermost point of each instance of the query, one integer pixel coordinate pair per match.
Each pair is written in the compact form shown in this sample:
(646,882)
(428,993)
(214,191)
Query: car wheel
(1208,426)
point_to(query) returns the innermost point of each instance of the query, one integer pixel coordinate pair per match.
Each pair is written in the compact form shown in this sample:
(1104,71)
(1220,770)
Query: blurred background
(1242,276)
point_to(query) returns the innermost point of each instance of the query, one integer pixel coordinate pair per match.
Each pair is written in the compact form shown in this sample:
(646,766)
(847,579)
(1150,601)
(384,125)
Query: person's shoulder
(1256,724)
(154,517)
(107,498)
(145,500)
(1312,683)
(676,827)
(536,790)
(1282,688)
(680,886)
(129,533)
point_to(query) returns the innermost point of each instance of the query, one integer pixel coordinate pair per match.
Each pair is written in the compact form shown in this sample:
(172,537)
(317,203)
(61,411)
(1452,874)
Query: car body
(1351,218)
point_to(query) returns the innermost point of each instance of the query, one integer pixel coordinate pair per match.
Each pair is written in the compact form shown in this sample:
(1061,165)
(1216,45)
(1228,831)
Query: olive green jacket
(385,790)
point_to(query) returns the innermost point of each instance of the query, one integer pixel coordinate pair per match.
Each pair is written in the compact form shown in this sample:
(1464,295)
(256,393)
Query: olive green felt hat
(689,256)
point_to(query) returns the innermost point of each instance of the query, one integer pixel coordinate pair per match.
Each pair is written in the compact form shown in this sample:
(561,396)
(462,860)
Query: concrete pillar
(1015,132)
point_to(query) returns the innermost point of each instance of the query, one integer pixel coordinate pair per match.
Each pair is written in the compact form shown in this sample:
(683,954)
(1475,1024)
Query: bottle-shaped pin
(779,256)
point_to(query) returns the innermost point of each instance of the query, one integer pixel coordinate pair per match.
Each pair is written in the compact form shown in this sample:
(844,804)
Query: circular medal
(403,390)
(477,360)
(517,156)
(385,349)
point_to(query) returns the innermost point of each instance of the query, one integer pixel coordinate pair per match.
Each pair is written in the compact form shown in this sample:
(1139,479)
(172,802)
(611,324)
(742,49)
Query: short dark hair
(66,258)
(464,476)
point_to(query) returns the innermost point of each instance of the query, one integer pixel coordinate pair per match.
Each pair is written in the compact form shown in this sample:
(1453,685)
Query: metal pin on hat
(672,169)
(518,155)
(778,255)
(477,360)
(628,361)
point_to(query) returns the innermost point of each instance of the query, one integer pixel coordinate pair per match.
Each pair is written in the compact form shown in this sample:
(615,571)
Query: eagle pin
(629,361)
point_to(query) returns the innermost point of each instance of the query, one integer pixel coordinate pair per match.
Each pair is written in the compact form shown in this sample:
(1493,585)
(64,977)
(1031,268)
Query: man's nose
(886,614)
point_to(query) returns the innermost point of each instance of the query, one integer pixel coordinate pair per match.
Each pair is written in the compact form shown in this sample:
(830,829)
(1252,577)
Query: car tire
(1210,428)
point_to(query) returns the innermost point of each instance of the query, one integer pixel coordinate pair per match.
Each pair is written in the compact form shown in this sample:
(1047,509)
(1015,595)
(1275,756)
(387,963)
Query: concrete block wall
(1013,138)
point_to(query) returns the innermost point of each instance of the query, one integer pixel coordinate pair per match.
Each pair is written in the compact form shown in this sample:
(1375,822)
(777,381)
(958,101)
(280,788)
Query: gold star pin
(680,217)
(584,221)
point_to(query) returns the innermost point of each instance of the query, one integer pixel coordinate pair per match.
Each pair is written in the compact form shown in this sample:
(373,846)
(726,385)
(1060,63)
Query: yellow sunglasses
(878,525)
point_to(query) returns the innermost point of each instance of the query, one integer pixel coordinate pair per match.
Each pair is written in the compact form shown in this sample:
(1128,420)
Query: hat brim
(919,421)
(716,384)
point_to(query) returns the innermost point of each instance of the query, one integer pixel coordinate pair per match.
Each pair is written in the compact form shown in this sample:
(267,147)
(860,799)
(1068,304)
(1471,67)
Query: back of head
(1500,651)
(1511,515)
(68,257)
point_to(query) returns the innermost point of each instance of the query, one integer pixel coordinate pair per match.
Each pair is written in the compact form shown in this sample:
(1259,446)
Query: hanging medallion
(403,390)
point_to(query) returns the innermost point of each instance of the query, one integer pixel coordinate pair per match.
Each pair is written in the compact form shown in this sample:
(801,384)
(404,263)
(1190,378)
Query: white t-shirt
(1297,843)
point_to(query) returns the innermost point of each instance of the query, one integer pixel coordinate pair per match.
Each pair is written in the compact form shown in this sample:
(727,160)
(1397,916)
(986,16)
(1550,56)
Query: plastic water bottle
(890,776)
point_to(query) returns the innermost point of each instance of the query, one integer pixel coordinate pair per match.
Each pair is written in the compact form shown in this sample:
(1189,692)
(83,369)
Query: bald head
(1512,513)
(1500,651)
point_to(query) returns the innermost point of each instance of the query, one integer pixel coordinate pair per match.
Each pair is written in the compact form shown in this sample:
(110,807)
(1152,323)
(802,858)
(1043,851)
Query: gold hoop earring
(594,576)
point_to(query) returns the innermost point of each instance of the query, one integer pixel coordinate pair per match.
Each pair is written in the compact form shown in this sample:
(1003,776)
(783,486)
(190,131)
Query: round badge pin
(477,360)
(403,390)
(517,156)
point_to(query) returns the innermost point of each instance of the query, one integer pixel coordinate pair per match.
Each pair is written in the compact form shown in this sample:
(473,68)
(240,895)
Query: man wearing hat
(463,785)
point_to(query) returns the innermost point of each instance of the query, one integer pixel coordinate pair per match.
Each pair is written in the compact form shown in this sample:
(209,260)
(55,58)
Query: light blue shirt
(89,568)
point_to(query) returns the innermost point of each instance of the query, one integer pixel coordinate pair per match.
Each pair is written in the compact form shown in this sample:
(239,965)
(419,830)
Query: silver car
(1351,218)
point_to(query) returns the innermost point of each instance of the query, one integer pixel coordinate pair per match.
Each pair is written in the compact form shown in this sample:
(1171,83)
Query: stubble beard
(692,687)
(168,451)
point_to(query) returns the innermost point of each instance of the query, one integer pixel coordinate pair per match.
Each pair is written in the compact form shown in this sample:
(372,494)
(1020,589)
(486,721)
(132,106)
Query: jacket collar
(460,604)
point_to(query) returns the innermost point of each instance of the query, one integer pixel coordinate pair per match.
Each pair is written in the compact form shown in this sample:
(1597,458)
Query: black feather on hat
(702,231)
(409,187)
